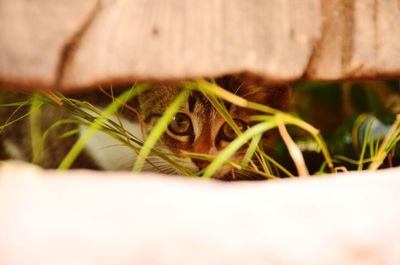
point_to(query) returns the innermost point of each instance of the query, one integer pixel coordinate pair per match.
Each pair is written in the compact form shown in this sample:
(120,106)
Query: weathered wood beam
(172,39)
(34,36)
(360,39)
(73,44)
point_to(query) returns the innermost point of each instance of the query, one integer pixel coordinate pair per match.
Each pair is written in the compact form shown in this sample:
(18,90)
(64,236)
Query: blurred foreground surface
(84,217)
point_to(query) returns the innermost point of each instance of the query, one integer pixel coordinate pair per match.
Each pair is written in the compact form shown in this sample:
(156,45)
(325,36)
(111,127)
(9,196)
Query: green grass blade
(2,127)
(70,133)
(16,104)
(251,150)
(44,136)
(367,136)
(391,135)
(35,124)
(279,166)
(236,144)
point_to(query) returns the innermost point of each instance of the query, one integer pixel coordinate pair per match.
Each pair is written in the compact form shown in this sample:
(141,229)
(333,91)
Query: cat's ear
(276,96)
(257,90)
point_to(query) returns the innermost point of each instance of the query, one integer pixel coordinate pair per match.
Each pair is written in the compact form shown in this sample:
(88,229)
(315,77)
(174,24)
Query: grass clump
(366,138)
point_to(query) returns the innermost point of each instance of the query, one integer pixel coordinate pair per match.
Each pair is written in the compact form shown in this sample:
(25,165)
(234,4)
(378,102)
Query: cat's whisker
(243,173)
(154,168)
(167,170)
(171,172)
(249,94)
(159,165)
(239,87)
(155,162)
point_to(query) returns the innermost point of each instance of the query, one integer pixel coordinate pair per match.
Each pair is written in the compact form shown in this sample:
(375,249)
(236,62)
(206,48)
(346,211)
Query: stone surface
(84,217)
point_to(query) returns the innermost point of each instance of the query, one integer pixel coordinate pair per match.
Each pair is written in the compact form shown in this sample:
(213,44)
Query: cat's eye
(181,125)
(226,132)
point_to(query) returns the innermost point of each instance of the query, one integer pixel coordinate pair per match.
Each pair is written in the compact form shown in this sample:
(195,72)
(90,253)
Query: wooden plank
(173,39)
(73,44)
(33,38)
(360,40)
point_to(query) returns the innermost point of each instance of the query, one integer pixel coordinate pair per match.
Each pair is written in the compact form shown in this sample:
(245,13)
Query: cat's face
(198,127)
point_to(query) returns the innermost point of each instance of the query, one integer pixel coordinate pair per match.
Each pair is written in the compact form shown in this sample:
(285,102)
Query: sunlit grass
(95,125)
(372,152)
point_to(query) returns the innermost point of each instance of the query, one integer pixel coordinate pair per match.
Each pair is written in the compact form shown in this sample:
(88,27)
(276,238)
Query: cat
(197,127)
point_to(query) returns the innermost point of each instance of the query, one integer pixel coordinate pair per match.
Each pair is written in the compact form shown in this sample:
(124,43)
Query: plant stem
(384,148)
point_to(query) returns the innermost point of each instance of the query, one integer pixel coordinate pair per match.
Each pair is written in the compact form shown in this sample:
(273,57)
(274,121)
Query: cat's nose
(200,163)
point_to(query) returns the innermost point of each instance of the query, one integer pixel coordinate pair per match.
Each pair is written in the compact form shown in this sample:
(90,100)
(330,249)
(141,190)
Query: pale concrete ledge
(84,217)
(80,44)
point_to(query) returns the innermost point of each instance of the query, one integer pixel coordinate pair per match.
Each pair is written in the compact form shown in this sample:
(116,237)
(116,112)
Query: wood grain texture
(75,44)
(361,39)
(187,38)
(33,36)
